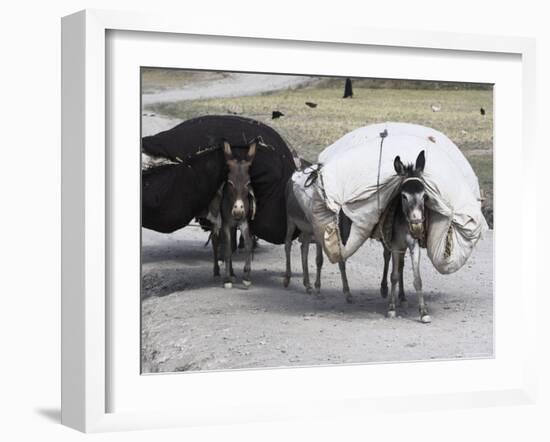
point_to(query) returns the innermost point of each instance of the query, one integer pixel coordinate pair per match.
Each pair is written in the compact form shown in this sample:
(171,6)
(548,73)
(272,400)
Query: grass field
(310,130)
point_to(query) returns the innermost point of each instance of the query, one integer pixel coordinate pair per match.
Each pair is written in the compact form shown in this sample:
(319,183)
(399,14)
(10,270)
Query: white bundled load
(356,175)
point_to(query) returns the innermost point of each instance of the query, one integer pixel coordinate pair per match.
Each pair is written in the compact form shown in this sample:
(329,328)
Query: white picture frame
(86,214)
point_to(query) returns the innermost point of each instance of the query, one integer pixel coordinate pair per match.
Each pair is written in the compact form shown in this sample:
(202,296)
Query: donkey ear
(251,151)
(398,166)
(227,150)
(420,162)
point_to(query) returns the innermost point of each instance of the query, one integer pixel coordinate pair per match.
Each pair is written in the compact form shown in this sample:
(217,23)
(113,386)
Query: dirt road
(190,322)
(231,86)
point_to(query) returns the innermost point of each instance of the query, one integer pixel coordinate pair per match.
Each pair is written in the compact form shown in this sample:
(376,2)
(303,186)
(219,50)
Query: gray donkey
(237,209)
(406,230)
(296,219)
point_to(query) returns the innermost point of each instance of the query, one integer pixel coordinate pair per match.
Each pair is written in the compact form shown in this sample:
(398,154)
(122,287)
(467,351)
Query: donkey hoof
(228,285)
(404,303)
(309,290)
(286,282)
(247,283)
(384,291)
(426,319)
(317,290)
(349,298)
(391,314)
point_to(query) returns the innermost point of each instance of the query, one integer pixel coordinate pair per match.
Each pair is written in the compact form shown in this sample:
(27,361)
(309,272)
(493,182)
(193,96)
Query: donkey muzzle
(417,229)
(238,210)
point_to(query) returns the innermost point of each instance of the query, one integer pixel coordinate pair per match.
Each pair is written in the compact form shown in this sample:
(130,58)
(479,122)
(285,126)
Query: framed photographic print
(201,166)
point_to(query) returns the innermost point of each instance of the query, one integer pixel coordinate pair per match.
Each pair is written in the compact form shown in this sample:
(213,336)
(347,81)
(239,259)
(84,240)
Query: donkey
(237,209)
(407,232)
(296,219)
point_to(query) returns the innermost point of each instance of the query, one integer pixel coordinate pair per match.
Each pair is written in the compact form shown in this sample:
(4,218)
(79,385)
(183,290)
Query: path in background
(234,85)
(231,86)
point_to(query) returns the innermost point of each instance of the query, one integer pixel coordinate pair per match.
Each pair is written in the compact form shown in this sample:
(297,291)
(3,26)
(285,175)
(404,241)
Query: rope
(313,175)
(382,136)
(203,151)
(312,178)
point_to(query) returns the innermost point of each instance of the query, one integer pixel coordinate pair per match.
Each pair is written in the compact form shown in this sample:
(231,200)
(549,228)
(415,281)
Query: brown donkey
(238,207)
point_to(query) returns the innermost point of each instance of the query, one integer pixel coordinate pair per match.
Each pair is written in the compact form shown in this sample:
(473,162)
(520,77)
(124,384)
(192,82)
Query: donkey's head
(238,189)
(413,193)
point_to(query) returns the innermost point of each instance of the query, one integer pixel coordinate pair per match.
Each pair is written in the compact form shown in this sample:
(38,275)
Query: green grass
(309,130)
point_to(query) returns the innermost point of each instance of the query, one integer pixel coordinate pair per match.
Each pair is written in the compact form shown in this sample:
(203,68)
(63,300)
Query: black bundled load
(189,167)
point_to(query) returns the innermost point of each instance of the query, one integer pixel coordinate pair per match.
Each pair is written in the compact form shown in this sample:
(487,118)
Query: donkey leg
(290,228)
(241,242)
(227,282)
(305,267)
(245,233)
(215,246)
(231,271)
(415,258)
(233,248)
(319,264)
(394,280)
(384,283)
(345,285)
(402,299)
